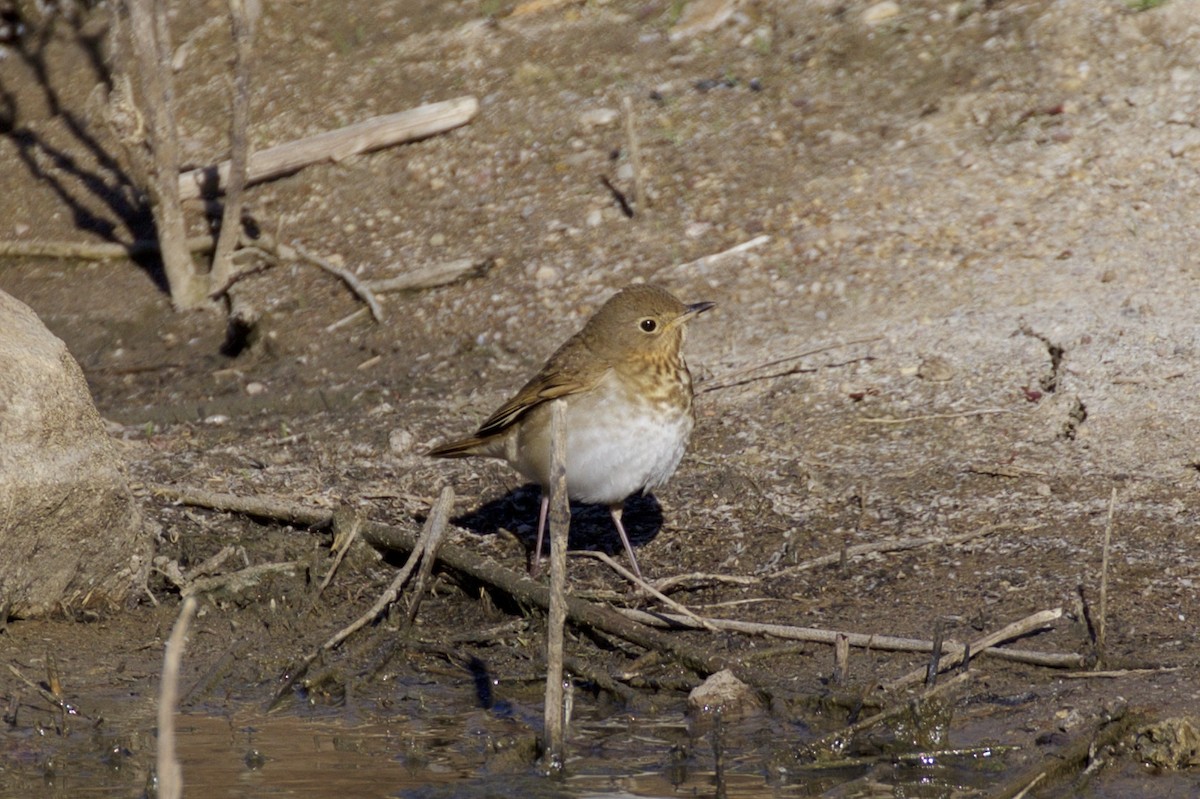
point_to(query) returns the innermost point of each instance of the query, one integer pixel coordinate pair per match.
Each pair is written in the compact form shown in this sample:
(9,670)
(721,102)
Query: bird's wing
(546,385)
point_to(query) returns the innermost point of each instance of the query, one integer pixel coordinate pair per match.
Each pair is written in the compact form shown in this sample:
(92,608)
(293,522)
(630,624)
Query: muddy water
(420,753)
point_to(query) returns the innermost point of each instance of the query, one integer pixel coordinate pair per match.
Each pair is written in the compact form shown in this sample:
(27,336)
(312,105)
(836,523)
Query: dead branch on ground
(887,643)
(894,545)
(170,774)
(335,145)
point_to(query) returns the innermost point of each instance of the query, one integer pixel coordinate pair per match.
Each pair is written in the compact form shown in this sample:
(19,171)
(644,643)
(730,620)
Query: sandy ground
(979,219)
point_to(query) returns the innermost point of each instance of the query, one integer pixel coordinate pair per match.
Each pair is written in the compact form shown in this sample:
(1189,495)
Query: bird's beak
(697,308)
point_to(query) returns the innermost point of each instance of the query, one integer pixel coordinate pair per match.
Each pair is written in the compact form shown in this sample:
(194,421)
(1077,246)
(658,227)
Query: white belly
(614,447)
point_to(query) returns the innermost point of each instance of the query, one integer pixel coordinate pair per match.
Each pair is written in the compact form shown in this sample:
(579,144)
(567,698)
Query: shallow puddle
(418,754)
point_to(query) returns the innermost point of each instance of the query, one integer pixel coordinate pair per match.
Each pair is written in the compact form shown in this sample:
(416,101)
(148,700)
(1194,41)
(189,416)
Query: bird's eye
(648,325)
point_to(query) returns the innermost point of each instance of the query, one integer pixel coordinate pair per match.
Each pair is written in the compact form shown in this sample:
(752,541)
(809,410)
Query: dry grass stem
(934,416)
(359,288)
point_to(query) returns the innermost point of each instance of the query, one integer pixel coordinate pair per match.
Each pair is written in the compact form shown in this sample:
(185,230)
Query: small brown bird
(629,407)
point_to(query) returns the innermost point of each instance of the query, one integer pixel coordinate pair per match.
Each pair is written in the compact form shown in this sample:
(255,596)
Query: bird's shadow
(591,526)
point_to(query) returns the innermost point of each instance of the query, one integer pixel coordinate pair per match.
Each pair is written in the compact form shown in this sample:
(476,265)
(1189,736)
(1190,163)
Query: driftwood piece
(427,277)
(335,145)
(888,643)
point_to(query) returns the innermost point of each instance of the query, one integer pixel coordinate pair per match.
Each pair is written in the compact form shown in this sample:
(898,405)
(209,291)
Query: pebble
(880,13)
(255,388)
(595,217)
(547,275)
(437,240)
(598,118)
(400,441)
(935,369)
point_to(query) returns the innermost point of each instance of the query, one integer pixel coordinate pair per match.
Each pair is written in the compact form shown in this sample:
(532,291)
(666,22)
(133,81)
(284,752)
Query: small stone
(935,369)
(400,441)
(217,419)
(547,275)
(598,118)
(255,388)
(695,230)
(880,13)
(437,240)
(725,694)
(625,171)
(595,217)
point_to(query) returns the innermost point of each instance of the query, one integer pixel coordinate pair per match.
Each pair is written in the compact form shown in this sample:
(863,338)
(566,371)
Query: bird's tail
(463,448)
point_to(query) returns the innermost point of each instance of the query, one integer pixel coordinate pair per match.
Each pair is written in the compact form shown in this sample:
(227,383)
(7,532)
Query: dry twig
(335,145)
(893,545)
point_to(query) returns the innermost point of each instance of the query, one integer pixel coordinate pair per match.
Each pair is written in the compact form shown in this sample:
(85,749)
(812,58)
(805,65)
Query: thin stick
(841,659)
(746,374)
(1102,621)
(335,145)
(242,30)
(94,251)
(428,277)
(640,200)
(886,643)
(560,525)
(894,545)
(346,528)
(349,278)
(933,416)
(1034,621)
(1117,673)
(709,260)
(647,587)
(429,551)
(170,774)
(433,527)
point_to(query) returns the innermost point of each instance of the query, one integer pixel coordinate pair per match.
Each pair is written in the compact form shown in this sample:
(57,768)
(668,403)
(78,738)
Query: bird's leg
(616,511)
(537,552)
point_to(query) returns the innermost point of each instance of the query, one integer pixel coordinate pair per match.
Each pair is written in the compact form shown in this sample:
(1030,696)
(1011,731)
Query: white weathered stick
(427,277)
(1035,621)
(560,525)
(170,775)
(889,643)
(335,145)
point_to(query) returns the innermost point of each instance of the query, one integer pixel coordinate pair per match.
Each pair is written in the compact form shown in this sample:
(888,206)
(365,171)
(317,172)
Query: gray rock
(71,534)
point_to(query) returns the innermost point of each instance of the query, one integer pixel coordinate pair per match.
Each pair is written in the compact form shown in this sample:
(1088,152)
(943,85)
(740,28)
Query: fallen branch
(427,277)
(434,526)
(334,145)
(647,587)
(1035,621)
(886,643)
(893,545)
(469,563)
(93,251)
(349,278)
